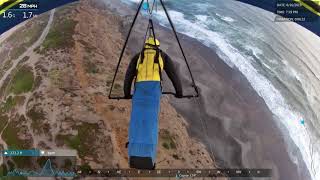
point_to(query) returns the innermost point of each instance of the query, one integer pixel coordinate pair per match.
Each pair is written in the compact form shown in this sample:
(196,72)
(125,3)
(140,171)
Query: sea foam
(272,97)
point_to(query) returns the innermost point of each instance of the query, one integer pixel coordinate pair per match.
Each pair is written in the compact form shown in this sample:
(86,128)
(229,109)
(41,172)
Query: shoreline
(249,102)
(259,118)
(254,117)
(233,109)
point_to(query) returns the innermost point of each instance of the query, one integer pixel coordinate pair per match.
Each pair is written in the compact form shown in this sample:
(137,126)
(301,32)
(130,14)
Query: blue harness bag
(143,130)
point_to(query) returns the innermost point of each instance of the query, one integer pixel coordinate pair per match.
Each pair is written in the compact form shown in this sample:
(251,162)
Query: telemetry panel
(38,163)
(296,11)
(177,173)
(19,9)
(13,12)
(63,163)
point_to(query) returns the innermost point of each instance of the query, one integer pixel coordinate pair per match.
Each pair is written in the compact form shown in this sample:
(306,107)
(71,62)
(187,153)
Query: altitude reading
(23,14)
(27,15)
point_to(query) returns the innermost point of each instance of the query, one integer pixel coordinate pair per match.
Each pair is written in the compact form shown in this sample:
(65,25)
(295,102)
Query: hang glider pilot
(146,68)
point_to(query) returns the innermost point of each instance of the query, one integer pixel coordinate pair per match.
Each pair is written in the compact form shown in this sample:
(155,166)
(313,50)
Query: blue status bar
(32,152)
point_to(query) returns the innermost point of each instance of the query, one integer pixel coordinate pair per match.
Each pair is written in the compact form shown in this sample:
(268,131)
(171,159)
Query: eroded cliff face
(67,105)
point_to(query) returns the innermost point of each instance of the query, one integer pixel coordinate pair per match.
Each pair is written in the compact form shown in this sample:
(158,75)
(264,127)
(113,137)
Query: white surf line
(30,49)
(275,102)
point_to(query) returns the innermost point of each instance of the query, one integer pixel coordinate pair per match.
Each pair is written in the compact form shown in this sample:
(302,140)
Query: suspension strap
(184,56)
(151,30)
(123,49)
(150,10)
(153,33)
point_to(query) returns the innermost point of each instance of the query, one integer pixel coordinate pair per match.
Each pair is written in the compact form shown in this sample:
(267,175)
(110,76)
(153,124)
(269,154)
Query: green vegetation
(165,145)
(4,86)
(7,65)
(3,170)
(117,86)
(55,77)
(37,118)
(19,100)
(10,165)
(60,35)
(75,142)
(91,67)
(9,104)
(85,168)
(3,121)
(82,142)
(168,140)
(10,136)
(22,81)
(22,161)
(24,37)
(61,32)
(108,83)
(37,50)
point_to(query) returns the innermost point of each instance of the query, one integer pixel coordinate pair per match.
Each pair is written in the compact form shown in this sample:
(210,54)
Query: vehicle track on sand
(29,52)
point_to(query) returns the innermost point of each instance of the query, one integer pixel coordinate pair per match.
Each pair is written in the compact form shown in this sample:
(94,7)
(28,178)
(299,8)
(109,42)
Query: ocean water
(280,60)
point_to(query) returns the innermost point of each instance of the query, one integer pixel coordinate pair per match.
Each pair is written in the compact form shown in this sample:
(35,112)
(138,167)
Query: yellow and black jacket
(147,66)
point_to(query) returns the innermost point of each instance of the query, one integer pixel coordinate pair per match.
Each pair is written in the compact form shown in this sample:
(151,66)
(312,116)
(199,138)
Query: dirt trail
(77,58)
(29,51)
(7,34)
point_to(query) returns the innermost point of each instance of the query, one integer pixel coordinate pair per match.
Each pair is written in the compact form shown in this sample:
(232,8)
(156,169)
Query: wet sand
(240,128)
